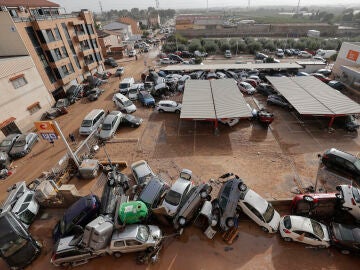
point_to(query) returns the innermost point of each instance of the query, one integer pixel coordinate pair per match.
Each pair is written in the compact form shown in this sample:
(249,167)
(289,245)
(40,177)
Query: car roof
(255,200)
(301,223)
(142,167)
(180,185)
(167,102)
(109,118)
(130,231)
(64,243)
(10,137)
(342,154)
(347,232)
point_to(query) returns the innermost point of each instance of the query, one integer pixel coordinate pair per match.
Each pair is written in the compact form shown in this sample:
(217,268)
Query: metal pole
(66,144)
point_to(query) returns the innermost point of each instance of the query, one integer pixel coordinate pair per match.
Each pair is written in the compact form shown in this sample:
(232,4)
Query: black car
(342,162)
(196,75)
(279,101)
(260,56)
(132,120)
(265,89)
(74,92)
(337,85)
(7,143)
(94,94)
(348,122)
(187,54)
(346,238)
(175,57)
(153,192)
(110,62)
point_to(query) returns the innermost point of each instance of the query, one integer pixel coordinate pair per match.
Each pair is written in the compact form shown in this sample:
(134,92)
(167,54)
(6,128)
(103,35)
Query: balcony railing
(44,17)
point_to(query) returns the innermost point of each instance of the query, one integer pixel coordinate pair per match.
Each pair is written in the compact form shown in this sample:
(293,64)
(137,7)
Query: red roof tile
(28,3)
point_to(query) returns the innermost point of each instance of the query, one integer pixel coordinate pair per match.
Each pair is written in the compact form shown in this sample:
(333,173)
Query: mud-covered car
(225,206)
(192,204)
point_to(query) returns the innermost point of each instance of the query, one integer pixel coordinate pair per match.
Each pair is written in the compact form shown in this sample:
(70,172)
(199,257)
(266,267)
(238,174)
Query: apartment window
(77,62)
(58,54)
(41,36)
(32,36)
(18,81)
(71,68)
(72,48)
(57,73)
(50,56)
(50,35)
(33,108)
(94,43)
(13,13)
(98,57)
(57,34)
(65,31)
(50,74)
(65,70)
(64,51)
(90,29)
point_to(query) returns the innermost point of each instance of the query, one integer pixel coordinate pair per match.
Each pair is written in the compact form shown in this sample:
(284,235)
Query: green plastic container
(133,212)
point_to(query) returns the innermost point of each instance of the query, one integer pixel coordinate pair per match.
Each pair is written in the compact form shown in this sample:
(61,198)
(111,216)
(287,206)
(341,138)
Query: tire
(264,229)
(177,111)
(161,110)
(242,187)
(287,239)
(117,254)
(230,222)
(345,251)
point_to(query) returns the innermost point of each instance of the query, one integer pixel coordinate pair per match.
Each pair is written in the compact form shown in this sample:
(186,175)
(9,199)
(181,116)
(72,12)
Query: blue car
(77,216)
(146,99)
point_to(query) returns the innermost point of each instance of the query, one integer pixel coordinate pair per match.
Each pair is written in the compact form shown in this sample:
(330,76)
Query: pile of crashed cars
(128,218)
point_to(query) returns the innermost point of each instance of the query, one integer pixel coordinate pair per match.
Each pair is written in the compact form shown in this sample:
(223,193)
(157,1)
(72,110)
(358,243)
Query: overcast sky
(93,5)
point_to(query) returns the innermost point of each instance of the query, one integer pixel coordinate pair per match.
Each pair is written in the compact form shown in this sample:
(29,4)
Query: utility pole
(157,3)
(207,6)
(101,8)
(297,9)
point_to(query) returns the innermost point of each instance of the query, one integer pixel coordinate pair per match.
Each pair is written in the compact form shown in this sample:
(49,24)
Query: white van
(125,84)
(92,121)
(123,103)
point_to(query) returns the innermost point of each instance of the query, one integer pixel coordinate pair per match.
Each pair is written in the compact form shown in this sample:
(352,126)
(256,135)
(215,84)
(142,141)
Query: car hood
(170,209)
(155,234)
(105,134)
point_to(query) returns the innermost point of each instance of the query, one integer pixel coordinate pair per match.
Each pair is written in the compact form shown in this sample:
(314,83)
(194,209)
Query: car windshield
(20,143)
(143,233)
(269,213)
(356,194)
(127,103)
(86,123)
(26,216)
(133,91)
(357,164)
(318,230)
(106,127)
(11,244)
(124,85)
(248,86)
(173,197)
(6,143)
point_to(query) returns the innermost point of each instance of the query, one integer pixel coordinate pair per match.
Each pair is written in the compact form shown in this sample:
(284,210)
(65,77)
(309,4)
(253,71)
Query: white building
(122,29)
(347,65)
(24,97)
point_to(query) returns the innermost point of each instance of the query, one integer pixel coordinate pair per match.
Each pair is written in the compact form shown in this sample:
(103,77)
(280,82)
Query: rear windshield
(106,127)
(318,231)
(127,103)
(173,197)
(86,123)
(124,85)
(356,194)
(287,222)
(346,234)
(133,91)
(269,213)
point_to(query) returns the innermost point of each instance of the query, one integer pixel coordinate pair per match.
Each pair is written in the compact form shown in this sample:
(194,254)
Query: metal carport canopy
(231,66)
(310,96)
(213,99)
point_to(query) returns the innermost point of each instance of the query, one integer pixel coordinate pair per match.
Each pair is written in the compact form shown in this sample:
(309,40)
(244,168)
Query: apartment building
(64,47)
(24,97)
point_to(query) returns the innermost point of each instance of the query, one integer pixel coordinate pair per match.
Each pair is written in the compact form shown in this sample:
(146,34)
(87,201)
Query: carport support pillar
(216,126)
(331,122)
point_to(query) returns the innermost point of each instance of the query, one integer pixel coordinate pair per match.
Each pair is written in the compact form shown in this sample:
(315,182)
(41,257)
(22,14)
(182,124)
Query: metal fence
(86,148)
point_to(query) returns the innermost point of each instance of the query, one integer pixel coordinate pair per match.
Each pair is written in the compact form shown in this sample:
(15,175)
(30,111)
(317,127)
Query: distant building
(24,97)
(313,33)
(347,65)
(154,19)
(110,43)
(135,29)
(64,47)
(123,30)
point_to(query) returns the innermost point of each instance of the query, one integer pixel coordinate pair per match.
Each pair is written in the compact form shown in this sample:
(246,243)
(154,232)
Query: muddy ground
(272,161)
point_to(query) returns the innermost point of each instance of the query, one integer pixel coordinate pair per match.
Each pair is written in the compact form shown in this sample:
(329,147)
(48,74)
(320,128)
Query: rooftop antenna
(297,9)
(157,3)
(101,8)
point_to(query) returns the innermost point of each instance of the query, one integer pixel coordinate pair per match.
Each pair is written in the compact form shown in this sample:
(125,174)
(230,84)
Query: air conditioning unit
(4,8)
(21,8)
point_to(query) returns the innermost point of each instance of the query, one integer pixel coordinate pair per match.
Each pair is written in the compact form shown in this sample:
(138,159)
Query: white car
(246,88)
(142,171)
(110,125)
(134,90)
(304,230)
(132,53)
(228,54)
(305,54)
(229,121)
(172,78)
(259,210)
(350,199)
(177,192)
(167,61)
(279,53)
(168,106)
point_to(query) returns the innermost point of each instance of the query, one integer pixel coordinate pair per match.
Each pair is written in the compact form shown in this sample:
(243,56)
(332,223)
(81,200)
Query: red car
(253,83)
(178,53)
(321,77)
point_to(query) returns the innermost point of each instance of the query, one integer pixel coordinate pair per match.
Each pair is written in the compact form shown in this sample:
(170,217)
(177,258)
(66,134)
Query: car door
(253,213)
(133,245)
(312,239)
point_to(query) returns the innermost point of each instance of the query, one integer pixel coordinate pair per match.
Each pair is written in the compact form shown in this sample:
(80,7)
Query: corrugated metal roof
(229,101)
(197,100)
(310,63)
(213,99)
(310,96)
(232,66)
(12,65)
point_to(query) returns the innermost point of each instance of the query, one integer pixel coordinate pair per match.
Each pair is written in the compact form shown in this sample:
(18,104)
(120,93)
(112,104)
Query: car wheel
(230,222)
(161,110)
(203,194)
(345,252)
(264,229)
(242,187)
(287,239)
(181,221)
(117,254)
(177,111)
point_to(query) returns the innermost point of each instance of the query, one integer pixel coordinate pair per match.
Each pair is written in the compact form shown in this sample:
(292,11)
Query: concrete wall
(14,102)
(10,40)
(343,57)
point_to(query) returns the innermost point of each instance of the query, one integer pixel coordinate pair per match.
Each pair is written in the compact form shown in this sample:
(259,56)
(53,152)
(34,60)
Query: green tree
(195,45)
(254,47)
(210,46)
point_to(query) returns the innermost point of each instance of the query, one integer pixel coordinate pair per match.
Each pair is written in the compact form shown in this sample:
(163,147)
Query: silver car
(141,171)
(135,238)
(23,145)
(110,125)
(7,143)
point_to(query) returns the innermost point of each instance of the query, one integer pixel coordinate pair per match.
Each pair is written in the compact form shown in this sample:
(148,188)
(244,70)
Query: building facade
(347,65)
(64,47)
(111,44)
(24,97)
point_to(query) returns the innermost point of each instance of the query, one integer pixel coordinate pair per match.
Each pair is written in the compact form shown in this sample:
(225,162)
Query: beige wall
(10,40)
(14,102)
(342,60)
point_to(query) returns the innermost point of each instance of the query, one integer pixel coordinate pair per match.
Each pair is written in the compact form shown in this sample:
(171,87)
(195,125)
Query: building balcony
(91,65)
(86,51)
(79,38)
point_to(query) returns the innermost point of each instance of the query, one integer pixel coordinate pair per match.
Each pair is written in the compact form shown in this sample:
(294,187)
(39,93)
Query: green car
(133,212)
